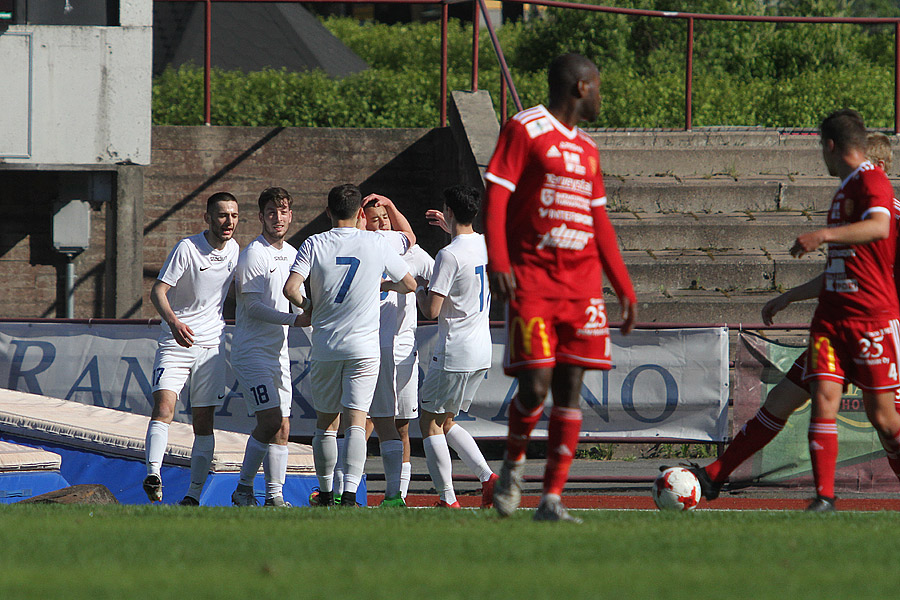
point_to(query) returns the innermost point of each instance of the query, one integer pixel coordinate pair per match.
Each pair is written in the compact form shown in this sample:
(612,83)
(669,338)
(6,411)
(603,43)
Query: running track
(603,501)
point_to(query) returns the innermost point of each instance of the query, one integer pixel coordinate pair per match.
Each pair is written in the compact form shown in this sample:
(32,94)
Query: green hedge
(744,74)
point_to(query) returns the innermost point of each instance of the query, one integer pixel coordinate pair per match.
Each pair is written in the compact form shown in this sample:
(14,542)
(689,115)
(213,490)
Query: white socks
(325,453)
(437,456)
(392,459)
(155,445)
(405,476)
(464,445)
(339,465)
(354,457)
(201,459)
(253,459)
(275,468)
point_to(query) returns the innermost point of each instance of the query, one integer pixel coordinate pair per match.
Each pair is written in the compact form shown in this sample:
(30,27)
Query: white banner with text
(664,384)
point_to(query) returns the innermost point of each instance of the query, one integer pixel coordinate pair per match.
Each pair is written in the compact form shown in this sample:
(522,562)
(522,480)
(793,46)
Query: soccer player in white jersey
(259,349)
(382,216)
(458,295)
(188,295)
(344,267)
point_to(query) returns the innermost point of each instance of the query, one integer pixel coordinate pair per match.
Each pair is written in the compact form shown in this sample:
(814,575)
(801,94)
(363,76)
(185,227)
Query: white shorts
(205,367)
(384,402)
(339,384)
(265,388)
(407,380)
(450,391)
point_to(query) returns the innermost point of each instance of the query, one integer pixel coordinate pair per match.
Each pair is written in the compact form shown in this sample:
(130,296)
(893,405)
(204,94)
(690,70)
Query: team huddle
(548,243)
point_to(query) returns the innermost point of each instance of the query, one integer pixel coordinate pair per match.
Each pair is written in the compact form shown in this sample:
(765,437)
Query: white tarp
(665,384)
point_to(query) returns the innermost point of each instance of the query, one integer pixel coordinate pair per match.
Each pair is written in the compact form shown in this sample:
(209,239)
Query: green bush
(778,75)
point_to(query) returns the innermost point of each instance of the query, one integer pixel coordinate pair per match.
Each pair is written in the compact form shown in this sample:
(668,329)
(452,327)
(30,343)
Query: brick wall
(411,166)
(189,164)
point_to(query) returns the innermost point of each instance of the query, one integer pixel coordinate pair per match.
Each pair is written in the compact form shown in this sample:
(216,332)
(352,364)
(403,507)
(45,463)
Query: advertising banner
(664,384)
(759,365)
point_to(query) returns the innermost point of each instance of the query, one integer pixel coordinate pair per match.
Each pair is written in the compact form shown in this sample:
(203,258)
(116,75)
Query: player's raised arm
(183,334)
(876,226)
(398,221)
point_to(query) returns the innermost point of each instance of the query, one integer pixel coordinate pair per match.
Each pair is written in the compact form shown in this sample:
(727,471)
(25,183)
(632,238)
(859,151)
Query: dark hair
(279,196)
(565,72)
(219,197)
(846,129)
(464,201)
(343,201)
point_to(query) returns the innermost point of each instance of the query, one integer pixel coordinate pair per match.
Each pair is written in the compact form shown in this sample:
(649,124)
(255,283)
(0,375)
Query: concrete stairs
(706,220)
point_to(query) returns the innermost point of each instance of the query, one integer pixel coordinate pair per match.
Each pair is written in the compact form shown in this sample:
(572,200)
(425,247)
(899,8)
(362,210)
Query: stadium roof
(249,37)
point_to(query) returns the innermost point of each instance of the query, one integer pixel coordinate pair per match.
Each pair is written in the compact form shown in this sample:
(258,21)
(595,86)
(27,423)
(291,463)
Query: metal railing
(507,86)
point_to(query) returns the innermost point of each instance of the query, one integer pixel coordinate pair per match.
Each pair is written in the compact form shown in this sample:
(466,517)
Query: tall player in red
(549,241)
(854,335)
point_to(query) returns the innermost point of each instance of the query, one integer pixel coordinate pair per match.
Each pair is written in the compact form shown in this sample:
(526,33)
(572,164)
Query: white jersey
(263,312)
(389,306)
(344,267)
(460,275)
(199,275)
(420,265)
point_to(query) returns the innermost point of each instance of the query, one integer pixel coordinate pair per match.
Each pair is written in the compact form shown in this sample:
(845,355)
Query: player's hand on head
(629,315)
(503,286)
(436,218)
(379,200)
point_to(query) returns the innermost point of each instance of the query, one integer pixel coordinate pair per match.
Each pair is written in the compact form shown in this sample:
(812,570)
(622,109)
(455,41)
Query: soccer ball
(676,488)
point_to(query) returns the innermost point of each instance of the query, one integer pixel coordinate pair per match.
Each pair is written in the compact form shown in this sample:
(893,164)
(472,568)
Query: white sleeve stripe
(874,209)
(500,181)
(599,201)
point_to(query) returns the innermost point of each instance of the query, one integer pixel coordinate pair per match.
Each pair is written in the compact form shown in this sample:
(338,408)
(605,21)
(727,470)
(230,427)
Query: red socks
(562,441)
(521,423)
(753,436)
(823,452)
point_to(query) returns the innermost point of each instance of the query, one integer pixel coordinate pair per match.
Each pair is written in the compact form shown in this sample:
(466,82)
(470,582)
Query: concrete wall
(77,95)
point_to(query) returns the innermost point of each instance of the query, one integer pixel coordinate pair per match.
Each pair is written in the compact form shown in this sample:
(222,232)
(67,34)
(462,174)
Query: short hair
(279,196)
(565,72)
(845,127)
(464,201)
(879,149)
(219,197)
(343,201)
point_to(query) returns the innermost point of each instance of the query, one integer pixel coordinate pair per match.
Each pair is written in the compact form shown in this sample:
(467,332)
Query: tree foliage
(779,75)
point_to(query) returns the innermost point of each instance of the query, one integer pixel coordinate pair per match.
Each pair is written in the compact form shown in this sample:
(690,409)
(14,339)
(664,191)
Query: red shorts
(860,351)
(542,332)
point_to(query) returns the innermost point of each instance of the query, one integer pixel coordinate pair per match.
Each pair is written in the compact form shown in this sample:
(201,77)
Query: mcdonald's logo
(518,325)
(822,351)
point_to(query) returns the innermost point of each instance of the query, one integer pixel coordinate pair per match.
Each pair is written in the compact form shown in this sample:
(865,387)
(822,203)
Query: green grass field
(92,552)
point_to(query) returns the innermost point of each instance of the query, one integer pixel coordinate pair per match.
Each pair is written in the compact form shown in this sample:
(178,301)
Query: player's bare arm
(398,221)
(293,292)
(404,286)
(183,334)
(876,227)
(805,291)
(430,303)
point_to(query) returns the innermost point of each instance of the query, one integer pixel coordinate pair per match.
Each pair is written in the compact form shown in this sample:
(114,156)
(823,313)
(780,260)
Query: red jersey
(859,278)
(556,188)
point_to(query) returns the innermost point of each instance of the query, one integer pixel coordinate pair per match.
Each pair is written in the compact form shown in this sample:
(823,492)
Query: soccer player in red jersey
(791,392)
(549,241)
(854,331)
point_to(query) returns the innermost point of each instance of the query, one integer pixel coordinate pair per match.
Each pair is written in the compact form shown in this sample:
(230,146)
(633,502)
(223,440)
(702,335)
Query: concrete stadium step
(709,307)
(719,193)
(736,271)
(706,152)
(771,230)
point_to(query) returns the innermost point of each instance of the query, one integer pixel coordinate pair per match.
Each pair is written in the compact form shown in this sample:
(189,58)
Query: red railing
(506,83)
